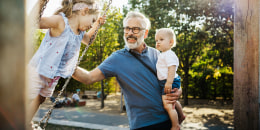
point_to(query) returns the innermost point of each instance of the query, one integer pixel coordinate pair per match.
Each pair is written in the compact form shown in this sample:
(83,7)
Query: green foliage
(105,44)
(38,37)
(204,30)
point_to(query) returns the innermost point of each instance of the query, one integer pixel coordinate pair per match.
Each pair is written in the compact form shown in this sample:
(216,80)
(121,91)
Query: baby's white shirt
(166,59)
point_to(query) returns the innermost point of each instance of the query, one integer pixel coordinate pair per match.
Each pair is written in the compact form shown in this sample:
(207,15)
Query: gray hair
(170,33)
(132,14)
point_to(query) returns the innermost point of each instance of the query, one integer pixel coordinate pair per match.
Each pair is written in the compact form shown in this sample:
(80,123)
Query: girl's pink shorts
(38,85)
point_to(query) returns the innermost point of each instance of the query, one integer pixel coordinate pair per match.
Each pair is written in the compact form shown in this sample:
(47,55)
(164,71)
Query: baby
(167,66)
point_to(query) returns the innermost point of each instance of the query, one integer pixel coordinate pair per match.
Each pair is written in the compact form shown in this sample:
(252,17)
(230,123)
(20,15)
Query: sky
(53,5)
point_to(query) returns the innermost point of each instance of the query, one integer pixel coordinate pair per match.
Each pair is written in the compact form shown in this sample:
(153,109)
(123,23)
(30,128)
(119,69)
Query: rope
(48,114)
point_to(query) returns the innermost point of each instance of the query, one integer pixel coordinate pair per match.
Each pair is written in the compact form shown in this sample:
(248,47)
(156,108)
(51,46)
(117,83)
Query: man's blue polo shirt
(140,86)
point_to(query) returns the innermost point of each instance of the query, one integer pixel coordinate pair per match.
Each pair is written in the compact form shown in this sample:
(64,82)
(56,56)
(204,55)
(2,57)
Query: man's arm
(87,77)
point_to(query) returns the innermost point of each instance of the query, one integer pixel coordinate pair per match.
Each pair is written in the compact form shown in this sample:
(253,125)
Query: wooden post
(12,65)
(246,65)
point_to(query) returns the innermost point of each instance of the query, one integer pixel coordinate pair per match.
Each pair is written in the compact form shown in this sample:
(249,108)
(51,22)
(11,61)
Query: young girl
(167,66)
(58,53)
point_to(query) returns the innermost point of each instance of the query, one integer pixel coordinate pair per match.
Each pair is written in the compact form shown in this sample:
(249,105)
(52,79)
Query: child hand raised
(102,20)
(58,53)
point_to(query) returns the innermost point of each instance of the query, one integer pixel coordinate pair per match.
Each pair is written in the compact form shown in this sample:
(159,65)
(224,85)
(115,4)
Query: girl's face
(86,21)
(163,43)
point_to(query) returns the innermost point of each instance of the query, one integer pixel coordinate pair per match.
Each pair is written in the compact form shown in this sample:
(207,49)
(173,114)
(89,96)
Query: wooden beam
(12,65)
(246,65)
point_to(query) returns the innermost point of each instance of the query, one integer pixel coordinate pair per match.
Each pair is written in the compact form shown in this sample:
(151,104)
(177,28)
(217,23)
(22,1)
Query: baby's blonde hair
(67,6)
(170,33)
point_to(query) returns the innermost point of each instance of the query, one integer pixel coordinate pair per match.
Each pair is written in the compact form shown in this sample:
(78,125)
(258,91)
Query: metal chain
(47,116)
(43,5)
(94,35)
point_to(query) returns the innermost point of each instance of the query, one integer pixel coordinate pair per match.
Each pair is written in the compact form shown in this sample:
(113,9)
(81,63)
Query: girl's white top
(166,59)
(58,56)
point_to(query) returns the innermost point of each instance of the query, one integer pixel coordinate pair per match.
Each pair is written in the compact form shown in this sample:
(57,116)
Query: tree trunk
(102,82)
(185,86)
(215,89)
(102,95)
(186,75)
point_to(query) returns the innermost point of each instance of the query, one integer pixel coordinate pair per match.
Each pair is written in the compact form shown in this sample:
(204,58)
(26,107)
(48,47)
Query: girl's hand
(49,81)
(167,88)
(102,20)
(46,79)
(89,34)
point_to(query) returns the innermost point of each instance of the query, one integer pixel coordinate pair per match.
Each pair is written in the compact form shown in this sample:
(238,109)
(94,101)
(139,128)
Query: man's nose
(130,32)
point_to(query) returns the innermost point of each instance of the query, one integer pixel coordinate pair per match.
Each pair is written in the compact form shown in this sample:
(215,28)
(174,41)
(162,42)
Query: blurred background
(204,30)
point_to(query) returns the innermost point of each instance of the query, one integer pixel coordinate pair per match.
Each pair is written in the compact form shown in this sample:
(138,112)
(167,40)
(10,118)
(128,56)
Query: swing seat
(78,104)
(82,103)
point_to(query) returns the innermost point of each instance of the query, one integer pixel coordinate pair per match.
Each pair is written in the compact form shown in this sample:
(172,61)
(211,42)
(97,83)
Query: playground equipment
(46,118)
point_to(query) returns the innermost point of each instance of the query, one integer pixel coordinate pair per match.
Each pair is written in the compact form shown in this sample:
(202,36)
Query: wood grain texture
(12,65)
(246,65)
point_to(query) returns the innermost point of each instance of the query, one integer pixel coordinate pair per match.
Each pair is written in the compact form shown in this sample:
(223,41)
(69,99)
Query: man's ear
(146,33)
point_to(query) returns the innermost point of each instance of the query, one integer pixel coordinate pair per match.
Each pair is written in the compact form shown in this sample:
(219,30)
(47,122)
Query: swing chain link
(47,116)
(96,31)
(43,4)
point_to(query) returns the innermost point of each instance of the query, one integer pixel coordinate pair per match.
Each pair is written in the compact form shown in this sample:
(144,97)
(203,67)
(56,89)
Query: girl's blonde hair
(170,33)
(67,6)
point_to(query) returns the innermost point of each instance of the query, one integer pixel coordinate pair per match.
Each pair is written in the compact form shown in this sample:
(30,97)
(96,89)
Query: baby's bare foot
(181,119)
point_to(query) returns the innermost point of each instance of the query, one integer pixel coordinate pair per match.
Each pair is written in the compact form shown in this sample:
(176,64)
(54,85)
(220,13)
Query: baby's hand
(167,88)
(102,20)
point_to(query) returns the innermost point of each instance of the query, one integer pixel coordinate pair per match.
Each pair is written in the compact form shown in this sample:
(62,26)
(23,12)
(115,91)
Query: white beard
(136,44)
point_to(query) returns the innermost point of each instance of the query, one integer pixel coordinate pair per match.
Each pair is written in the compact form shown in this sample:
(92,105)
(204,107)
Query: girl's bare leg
(34,106)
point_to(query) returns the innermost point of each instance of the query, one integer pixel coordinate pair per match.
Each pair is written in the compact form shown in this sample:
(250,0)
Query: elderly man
(139,84)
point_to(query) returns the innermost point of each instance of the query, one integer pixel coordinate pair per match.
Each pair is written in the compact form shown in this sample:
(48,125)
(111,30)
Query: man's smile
(131,38)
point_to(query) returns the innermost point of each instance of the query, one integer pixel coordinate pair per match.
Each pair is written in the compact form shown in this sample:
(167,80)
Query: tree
(175,15)
(189,19)
(105,43)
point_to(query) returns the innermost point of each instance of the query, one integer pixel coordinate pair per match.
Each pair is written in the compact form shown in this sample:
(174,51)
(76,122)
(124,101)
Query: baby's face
(163,43)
